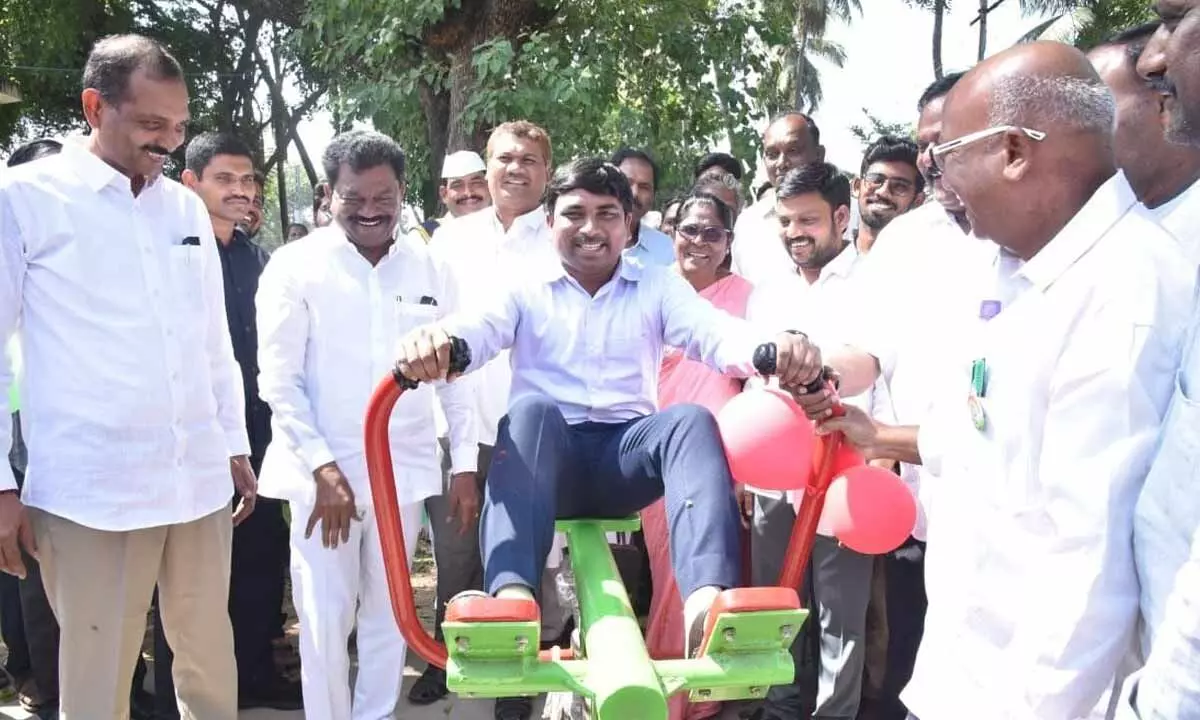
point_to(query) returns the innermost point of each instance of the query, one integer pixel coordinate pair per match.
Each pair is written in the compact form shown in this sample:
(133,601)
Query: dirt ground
(451,708)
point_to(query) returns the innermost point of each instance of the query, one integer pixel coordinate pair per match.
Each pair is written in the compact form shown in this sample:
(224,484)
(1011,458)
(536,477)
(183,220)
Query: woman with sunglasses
(703,232)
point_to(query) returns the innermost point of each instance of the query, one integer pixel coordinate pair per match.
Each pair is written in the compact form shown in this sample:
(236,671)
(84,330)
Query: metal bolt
(463,643)
(756,691)
(786,632)
(522,643)
(729,634)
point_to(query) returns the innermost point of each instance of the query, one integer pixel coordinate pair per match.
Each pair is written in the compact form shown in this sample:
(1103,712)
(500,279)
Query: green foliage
(1108,17)
(675,77)
(43,45)
(876,128)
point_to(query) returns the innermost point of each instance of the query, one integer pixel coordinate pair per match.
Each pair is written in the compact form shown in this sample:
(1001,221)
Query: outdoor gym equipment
(494,644)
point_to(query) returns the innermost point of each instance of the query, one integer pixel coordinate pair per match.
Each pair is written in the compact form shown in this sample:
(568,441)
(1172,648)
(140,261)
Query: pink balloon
(869,510)
(768,440)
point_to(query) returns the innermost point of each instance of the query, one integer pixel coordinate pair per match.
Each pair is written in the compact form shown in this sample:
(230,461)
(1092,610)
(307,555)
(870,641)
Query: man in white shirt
(1042,430)
(812,204)
(132,400)
(581,437)
(791,140)
(330,311)
(481,250)
(464,188)
(1167,523)
(646,243)
(920,268)
(1164,175)
(888,185)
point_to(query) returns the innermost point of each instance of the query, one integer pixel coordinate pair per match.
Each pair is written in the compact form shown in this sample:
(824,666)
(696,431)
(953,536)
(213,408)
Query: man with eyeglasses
(1167,518)
(889,185)
(812,210)
(1046,415)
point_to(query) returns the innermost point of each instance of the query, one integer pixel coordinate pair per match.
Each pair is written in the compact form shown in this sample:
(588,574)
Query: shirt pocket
(408,316)
(187,286)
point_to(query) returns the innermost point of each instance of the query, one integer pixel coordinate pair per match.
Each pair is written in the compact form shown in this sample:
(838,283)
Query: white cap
(461,164)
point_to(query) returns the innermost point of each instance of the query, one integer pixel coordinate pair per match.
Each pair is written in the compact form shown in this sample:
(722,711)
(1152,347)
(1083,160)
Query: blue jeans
(543,469)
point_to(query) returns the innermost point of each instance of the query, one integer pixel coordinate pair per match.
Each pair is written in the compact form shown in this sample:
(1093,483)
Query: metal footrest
(749,633)
(490,643)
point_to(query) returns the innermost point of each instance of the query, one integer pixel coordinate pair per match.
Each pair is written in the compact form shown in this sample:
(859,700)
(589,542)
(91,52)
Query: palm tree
(939,8)
(791,79)
(1054,9)
(812,20)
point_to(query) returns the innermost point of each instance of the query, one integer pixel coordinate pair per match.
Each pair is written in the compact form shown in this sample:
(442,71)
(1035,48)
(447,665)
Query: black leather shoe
(276,694)
(518,708)
(430,687)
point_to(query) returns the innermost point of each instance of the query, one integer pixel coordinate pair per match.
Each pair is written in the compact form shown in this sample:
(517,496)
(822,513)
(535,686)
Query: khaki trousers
(100,583)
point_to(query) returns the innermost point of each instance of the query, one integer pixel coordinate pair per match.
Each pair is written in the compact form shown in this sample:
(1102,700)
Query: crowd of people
(1005,308)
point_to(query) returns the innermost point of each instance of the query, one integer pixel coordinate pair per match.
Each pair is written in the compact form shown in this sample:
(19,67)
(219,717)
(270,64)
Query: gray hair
(1047,103)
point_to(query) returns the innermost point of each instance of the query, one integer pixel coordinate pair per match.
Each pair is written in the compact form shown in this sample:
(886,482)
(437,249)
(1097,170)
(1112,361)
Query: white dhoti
(333,589)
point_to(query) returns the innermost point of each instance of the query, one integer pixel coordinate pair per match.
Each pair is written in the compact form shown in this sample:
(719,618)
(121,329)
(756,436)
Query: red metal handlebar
(391,527)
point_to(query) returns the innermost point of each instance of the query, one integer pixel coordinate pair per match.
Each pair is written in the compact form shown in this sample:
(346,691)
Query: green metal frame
(746,653)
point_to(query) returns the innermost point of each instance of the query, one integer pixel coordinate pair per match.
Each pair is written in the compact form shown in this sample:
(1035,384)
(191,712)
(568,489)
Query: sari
(684,381)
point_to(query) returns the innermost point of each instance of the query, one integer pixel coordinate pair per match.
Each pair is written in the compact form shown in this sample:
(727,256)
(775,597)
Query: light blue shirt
(654,247)
(1167,547)
(598,357)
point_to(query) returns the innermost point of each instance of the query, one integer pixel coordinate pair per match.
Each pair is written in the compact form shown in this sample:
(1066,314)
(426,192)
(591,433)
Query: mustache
(369,219)
(235,198)
(156,149)
(469,198)
(1160,84)
(881,201)
(801,238)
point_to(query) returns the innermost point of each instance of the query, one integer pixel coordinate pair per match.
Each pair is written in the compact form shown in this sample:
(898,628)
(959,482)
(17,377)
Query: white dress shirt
(598,356)
(757,250)
(1029,568)
(1181,218)
(131,400)
(818,309)
(328,328)
(654,247)
(482,255)
(917,291)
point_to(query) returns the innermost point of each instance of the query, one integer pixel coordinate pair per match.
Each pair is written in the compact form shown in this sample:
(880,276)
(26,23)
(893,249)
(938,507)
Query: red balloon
(847,457)
(869,510)
(768,440)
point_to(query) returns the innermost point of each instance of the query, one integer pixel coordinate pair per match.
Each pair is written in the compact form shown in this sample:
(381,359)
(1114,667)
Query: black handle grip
(766,357)
(460,359)
(460,355)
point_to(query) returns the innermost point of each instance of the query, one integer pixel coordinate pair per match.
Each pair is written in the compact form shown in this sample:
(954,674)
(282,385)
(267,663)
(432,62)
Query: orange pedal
(490,609)
(746,600)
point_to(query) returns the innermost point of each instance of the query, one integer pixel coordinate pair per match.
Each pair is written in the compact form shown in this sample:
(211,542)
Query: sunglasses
(937,153)
(711,235)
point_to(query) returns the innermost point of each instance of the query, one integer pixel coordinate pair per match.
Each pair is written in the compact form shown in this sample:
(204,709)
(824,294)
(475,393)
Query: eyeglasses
(939,151)
(710,235)
(898,185)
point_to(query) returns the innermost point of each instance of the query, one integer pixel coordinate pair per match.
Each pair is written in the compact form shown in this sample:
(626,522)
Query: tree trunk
(279,115)
(463,135)
(983,23)
(799,73)
(939,17)
(435,104)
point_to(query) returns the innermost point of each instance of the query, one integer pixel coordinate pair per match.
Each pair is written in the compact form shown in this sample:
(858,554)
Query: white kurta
(328,324)
(1029,570)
